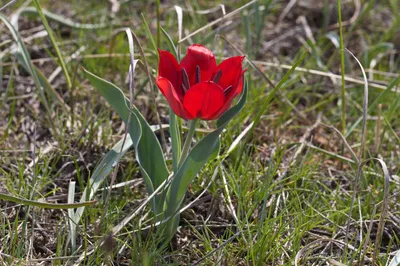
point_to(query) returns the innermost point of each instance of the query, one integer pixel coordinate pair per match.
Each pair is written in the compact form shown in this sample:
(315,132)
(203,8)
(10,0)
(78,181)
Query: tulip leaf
(149,154)
(103,169)
(204,151)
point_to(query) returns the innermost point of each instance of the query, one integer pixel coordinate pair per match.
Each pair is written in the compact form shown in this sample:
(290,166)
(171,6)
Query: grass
(283,196)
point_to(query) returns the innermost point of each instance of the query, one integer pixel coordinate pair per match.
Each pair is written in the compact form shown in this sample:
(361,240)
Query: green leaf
(171,44)
(149,154)
(149,35)
(104,168)
(204,151)
(54,43)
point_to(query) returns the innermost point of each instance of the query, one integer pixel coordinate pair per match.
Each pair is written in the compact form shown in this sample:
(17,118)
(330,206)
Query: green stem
(342,67)
(188,141)
(158,23)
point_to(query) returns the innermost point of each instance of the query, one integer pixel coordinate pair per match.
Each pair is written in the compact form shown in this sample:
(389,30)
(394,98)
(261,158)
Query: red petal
(229,98)
(169,68)
(231,72)
(198,55)
(172,97)
(204,100)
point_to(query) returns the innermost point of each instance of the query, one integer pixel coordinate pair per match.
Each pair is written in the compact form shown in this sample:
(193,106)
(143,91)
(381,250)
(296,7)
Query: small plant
(196,89)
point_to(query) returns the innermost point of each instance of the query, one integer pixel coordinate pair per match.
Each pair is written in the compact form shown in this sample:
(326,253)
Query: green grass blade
(170,42)
(342,68)
(149,34)
(54,43)
(44,205)
(376,101)
(26,59)
(271,95)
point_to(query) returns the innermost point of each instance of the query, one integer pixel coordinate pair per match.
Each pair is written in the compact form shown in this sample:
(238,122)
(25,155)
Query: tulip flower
(198,88)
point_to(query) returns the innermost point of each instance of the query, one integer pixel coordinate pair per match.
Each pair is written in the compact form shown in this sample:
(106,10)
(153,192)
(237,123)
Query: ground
(290,193)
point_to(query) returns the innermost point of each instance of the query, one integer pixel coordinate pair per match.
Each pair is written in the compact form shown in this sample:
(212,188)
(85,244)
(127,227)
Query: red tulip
(198,87)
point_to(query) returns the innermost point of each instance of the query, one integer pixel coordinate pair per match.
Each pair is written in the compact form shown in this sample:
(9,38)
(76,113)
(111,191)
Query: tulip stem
(188,141)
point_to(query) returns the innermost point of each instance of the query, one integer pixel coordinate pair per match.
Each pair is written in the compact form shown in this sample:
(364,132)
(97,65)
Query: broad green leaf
(204,151)
(104,168)
(149,154)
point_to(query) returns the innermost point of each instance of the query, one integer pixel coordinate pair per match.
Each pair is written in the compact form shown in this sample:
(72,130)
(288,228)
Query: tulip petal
(231,72)
(229,98)
(172,97)
(198,55)
(169,68)
(204,100)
